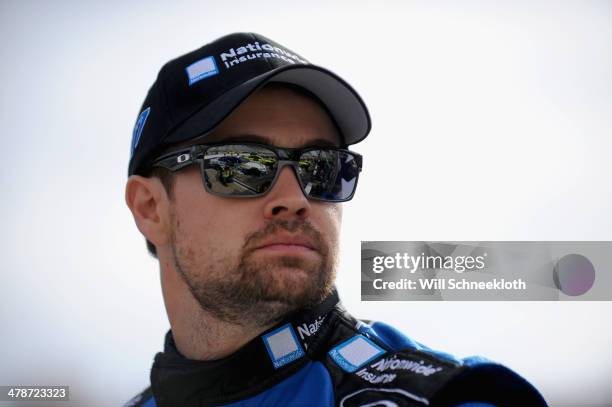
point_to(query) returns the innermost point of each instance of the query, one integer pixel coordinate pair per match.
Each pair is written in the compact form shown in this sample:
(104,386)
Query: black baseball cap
(196,91)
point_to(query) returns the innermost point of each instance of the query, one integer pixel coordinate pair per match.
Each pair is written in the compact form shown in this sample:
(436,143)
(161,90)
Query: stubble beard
(253,292)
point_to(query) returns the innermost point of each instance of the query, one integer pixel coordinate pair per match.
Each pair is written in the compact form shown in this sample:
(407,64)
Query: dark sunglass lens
(328,174)
(239,170)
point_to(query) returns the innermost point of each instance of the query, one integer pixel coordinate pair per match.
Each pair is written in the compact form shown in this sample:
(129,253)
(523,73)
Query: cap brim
(341,100)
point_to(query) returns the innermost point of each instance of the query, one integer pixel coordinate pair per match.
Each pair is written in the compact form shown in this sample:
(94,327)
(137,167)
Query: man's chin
(292,290)
(258,293)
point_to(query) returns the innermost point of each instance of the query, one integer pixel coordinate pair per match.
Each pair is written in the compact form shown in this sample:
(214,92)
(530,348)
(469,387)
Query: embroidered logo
(283,346)
(201,69)
(140,122)
(350,355)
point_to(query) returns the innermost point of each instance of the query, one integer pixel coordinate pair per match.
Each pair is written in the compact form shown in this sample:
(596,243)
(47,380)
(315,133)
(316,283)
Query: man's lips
(287,243)
(286,248)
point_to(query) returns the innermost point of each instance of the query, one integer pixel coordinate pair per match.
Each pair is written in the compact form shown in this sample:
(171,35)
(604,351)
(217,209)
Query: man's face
(253,260)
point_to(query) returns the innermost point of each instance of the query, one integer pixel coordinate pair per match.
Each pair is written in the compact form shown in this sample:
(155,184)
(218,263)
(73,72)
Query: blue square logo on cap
(140,122)
(201,69)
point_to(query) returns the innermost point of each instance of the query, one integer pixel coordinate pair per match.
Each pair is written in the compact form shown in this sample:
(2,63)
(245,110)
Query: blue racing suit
(324,357)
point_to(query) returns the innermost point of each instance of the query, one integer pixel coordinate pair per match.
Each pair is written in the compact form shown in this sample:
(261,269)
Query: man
(239,166)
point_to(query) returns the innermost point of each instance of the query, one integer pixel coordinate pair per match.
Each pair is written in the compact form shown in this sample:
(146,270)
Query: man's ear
(148,201)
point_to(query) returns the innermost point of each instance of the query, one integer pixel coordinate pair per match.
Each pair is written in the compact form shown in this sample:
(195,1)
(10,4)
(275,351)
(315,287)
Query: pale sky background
(491,121)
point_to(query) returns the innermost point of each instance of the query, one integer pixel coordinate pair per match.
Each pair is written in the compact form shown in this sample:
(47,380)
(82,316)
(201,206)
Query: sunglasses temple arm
(176,160)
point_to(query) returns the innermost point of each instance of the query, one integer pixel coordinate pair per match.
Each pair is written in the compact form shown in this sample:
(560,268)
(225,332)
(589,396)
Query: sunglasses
(250,169)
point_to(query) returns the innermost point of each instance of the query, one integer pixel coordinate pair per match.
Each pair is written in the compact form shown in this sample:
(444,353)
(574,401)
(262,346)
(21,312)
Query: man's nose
(286,198)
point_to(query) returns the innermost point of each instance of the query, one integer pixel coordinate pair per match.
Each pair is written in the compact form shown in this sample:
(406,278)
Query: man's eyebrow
(254,138)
